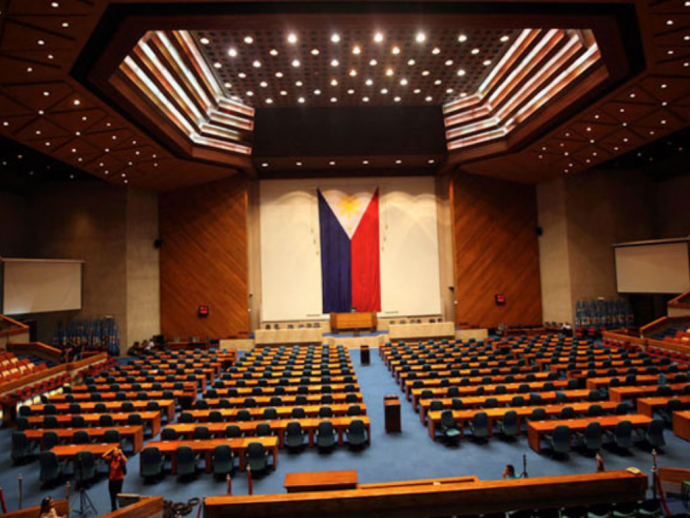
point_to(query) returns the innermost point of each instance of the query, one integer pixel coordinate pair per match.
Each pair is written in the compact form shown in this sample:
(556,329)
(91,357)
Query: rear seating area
(14,367)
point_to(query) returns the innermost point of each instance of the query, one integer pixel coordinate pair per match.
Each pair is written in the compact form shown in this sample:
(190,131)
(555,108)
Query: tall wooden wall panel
(204,261)
(496,251)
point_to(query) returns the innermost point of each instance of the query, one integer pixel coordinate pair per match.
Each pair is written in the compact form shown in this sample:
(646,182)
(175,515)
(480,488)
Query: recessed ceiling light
(217,64)
(335,62)
(486,62)
(411,62)
(669,22)
(65,25)
(232,52)
(428,98)
(334,99)
(55,5)
(420,37)
(250,93)
(403,82)
(264,164)
(273,52)
(29,69)
(378,37)
(373,63)
(396,99)
(298,164)
(256,63)
(398,162)
(425,72)
(356,50)
(315,52)
(449,90)
(298,83)
(462,38)
(227,85)
(334,82)
(335,38)
(77,102)
(292,38)
(384,91)
(365,162)
(350,91)
(283,92)
(248,40)
(664,86)
(205,41)
(241,75)
(389,72)
(300,100)
(41,42)
(296,63)
(332,162)
(417,91)
(436,51)
(449,62)
(505,38)
(437,82)
(353,73)
(279,75)
(317,92)
(365,99)
(395,50)
(46,93)
(269,101)
(431,161)
(263,84)
(475,51)
(369,82)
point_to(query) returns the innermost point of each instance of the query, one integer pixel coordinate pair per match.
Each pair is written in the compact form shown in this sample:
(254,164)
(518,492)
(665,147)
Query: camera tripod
(86,506)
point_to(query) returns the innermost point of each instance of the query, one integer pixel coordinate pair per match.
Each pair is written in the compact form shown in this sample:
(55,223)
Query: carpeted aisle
(408,455)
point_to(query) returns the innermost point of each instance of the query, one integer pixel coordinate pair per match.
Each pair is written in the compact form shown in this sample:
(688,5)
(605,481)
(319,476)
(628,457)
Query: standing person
(48,509)
(117,469)
(509,472)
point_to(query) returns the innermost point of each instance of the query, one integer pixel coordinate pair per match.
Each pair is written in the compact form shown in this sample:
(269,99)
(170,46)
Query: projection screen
(41,285)
(653,266)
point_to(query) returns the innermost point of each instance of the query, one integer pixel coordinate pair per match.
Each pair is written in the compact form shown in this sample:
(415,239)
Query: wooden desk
(167,407)
(150,418)
(535,429)
(681,424)
(640,379)
(633,392)
(69,451)
(284,412)
(648,405)
(206,447)
(177,346)
(320,481)
(353,321)
(438,498)
(134,433)
(286,400)
(81,397)
(391,410)
(494,414)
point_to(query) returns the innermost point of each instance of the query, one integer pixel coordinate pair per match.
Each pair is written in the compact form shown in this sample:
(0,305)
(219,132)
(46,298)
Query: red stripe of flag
(365,260)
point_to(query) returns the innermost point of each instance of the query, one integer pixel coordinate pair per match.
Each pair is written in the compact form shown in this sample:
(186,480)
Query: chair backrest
(255,450)
(298,412)
(134,419)
(81,437)
(293,428)
(325,428)
(447,420)
(169,434)
(263,429)
(201,432)
(106,420)
(232,430)
(111,436)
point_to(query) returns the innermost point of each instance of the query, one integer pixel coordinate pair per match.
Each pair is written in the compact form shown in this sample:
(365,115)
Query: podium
(353,321)
(391,408)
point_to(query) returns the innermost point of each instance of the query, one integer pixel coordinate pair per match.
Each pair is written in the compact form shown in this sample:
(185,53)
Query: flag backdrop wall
(349,236)
(330,245)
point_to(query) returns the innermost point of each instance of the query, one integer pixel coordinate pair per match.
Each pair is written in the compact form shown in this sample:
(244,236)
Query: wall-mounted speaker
(157,243)
(539,231)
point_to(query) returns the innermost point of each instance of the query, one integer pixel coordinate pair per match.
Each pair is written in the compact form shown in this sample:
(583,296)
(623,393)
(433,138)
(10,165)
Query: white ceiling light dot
(369,82)
(300,100)
(398,161)
(205,41)
(264,164)
(373,63)
(420,37)
(350,91)
(365,99)
(425,73)
(217,64)
(335,63)
(256,63)
(378,37)
(248,40)
(462,38)
(356,50)
(353,73)
(250,93)
(395,51)
(292,38)
(283,92)
(273,52)
(298,164)
(403,82)
(334,99)
(397,99)
(296,63)
(449,62)
(242,75)
(298,83)
(428,98)
(317,92)
(486,62)
(334,82)
(389,72)
(505,38)
(461,72)
(263,84)
(335,38)
(269,101)
(232,52)
(365,162)
(315,52)
(475,51)
(411,62)
(279,75)
(384,91)
(436,51)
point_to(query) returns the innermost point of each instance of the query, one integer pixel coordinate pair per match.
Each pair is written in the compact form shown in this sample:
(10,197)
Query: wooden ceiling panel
(39,96)
(21,70)
(18,36)
(41,129)
(667,88)
(628,111)
(78,120)
(51,7)
(108,139)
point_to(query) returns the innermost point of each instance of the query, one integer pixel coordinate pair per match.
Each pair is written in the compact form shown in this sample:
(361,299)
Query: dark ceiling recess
(22,168)
(376,130)
(660,160)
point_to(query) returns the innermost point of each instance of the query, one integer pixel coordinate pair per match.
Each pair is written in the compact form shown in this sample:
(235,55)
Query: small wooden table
(681,424)
(320,481)
(353,321)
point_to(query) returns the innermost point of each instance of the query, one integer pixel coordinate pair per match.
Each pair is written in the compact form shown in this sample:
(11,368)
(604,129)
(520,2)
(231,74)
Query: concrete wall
(112,230)
(14,227)
(143,273)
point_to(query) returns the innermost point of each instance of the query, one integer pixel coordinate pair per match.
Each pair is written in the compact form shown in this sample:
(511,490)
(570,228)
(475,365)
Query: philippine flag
(350,262)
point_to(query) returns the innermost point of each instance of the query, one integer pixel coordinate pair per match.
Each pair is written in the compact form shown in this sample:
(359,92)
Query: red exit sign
(500,299)
(203,311)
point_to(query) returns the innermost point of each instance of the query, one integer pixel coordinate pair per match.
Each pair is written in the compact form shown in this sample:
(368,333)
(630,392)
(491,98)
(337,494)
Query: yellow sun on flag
(349,206)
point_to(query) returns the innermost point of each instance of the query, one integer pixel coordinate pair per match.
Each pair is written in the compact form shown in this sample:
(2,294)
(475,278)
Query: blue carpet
(405,456)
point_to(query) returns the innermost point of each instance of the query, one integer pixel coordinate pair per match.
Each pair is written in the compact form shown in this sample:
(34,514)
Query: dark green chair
(169,434)
(21,450)
(51,469)
(186,461)
(151,462)
(294,436)
(325,436)
(257,457)
(479,425)
(559,440)
(222,460)
(84,468)
(356,434)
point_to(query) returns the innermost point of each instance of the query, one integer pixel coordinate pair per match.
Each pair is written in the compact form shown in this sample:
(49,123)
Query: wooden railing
(147,506)
(440,499)
(681,301)
(61,507)
(43,351)
(10,327)
(662,323)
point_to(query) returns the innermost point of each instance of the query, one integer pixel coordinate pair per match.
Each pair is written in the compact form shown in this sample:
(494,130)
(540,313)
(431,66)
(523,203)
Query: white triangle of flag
(349,207)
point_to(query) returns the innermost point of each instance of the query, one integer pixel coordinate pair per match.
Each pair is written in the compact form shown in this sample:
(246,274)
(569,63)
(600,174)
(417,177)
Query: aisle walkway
(408,455)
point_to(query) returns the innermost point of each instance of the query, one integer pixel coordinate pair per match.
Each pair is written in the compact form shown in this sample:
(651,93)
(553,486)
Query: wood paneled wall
(204,261)
(495,251)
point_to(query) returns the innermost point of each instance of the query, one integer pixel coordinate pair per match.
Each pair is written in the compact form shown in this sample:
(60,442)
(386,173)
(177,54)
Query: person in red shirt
(117,469)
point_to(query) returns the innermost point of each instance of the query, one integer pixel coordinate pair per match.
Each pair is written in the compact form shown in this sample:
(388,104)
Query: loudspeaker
(539,231)
(157,243)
